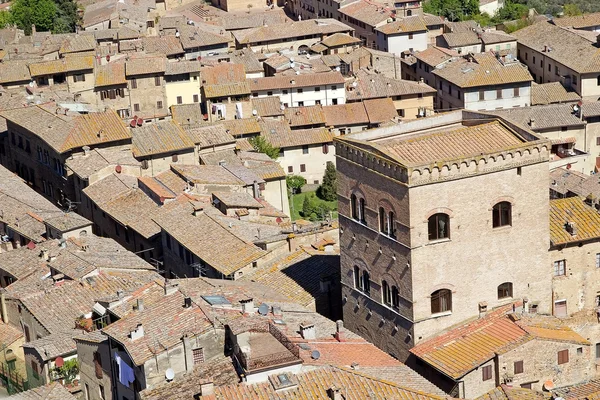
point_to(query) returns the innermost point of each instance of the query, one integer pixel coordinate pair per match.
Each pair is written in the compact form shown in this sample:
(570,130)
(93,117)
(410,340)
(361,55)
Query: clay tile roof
(544,116)
(380,110)
(164,323)
(434,56)
(145,65)
(51,391)
(504,392)
(161,137)
(167,45)
(464,348)
(226,89)
(340,39)
(297,276)
(290,30)
(209,136)
(372,86)
(9,334)
(186,114)
(578,21)
(223,73)
(315,383)
(62,65)
(302,80)
(459,39)
(404,25)
(14,71)
(207,174)
(134,210)
(182,67)
(486,70)
(463,142)
(369,13)
(304,116)
(496,37)
(54,345)
(110,74)
(237,200)
(244,126)
(566,47)
(193,37)
(573,209)
(63,135)
(220,371)
(206,238)
(78,43)
(269,106)
(581,391)
(346,114)
(552,92)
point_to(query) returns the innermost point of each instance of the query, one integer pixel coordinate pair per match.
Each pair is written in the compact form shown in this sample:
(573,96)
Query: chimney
(339,334)
(33,31)
(308,331)
(247,306)
(86,150)
(532,123)
(170,288)
(571,228)
(187,302)
(207,388)
(198,210)
(277,311)
(421,80)
(44,255)
(120,294)
(334,393)
(482,309)
(255,190)
(140,304)
(137,333)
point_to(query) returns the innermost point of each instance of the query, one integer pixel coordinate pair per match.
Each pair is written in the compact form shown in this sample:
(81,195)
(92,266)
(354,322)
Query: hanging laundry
(239,114)
(126,375)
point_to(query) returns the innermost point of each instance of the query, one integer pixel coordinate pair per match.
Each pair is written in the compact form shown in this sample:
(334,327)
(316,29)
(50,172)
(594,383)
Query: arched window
(390,224)
(502,214)
(383,225)
(386,293)
(357,277)
(505,290)
(395,297)
(366,282)
(361,210)
(439,226)
(441,301)
(354,207)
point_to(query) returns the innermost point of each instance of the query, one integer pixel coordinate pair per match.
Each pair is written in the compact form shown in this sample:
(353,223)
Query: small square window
(305,149)
(302,167)
(518,367)
(580,350)
(290,169)
(284,91)
(486,373)
(299,91)
(563,356)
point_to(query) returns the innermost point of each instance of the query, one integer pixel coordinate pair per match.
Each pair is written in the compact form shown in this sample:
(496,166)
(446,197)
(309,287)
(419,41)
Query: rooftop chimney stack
(140,304)
(308,331)
(339,334)
(334,393)
(170,288)
(137,333)
(247,306)
(207,388)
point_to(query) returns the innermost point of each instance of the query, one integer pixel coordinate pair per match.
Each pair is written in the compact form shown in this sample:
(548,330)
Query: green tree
(454,10)
(4,19)
(510,11)
(308,206)
(571,10)
(261,145)
(67,18)
(295,183)
(328,189)
(41,13)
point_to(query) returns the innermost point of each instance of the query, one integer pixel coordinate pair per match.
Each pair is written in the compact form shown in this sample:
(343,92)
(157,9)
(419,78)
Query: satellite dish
(315,354)
(292,65)
(354,84)
(170,374)
(263,309)
(337,69)
(254,112)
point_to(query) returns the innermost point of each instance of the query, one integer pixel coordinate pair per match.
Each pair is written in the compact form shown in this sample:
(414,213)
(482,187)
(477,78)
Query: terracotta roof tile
(552,92)
(573,209)
(302,80)
(167,45)
(290,30)
(304,116)
(161,137)
(483,70)
(579,21)
(62,65)
(51,391)
(110,74)
(404,25)
(145,65)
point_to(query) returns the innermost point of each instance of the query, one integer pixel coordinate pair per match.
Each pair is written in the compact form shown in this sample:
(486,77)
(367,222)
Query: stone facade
(415,266)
